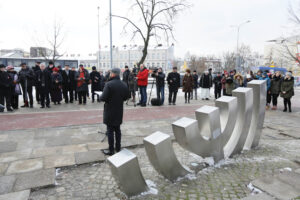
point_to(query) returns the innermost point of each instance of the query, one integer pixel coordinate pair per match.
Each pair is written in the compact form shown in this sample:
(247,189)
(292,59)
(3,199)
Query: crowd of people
(54,84)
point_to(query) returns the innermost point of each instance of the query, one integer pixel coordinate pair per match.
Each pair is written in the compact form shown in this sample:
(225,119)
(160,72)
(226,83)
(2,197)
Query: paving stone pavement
(34,153)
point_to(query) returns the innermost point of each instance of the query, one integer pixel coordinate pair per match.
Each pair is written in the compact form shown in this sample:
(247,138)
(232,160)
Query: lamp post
(237,43)
(99,47)
(110,25)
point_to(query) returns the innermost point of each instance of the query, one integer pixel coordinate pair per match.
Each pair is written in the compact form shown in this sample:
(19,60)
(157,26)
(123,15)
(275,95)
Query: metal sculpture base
(126,171)
(162,156)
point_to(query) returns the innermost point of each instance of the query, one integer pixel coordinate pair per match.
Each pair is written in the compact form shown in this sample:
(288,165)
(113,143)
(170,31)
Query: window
(153,56)
(153,64)
(158,56)
(158,64)
(163,65)
(148,65)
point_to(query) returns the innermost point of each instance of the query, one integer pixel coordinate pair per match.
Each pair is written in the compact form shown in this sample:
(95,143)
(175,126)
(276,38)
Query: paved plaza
(55,154)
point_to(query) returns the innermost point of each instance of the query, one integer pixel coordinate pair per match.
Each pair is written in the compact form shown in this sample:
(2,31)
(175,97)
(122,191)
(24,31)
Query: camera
(155,70)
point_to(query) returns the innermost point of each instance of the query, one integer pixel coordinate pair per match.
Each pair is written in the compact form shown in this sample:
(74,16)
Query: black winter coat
(206,81)
(126,76)
(276,85)
(218,82)
(173,80)
(5,82)
(84,86)
(96,80)
(68,80)
(195,77)
(44,80)
(27,75)
(114,94)
(160,79)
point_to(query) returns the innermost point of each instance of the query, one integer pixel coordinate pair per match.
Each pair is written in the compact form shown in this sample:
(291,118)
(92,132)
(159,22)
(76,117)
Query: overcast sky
(203,29)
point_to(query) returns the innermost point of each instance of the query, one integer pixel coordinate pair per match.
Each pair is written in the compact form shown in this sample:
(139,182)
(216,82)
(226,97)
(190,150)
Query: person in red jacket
(142,81)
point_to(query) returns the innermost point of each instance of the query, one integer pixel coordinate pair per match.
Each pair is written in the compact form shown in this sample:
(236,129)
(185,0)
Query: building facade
(159,56)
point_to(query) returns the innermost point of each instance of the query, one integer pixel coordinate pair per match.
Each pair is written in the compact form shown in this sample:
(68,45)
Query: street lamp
(99,47)
(237,43)
(110,25)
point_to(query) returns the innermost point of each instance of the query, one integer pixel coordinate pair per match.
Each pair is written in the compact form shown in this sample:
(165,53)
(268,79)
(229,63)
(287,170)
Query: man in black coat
(96,82)
(36,69)
(218,85)
(68,77)
(126,75)
(43,80)
(27,79)
(114,94)
(50,67)
(160,85)
(5,83)
(173,80)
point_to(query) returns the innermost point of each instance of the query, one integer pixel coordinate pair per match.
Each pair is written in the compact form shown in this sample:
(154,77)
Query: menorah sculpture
(233,125)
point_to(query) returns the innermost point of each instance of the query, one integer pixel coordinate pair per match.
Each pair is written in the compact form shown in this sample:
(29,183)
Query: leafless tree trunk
(156,20)
(53,41)
(229,60)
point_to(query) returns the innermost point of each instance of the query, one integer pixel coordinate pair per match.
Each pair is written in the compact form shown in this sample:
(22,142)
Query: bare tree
(229,60)
(156,20)
(50,46)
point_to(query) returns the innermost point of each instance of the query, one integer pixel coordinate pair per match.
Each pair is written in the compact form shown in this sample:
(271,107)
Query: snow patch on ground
(253,189)
(287,169)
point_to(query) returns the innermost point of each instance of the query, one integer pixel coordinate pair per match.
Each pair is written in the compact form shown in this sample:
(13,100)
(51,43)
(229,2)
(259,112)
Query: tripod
(154,80)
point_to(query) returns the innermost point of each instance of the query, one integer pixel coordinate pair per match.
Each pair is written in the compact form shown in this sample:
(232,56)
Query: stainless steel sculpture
(162,156)
(234,124)
(244,114)
(126,171)
(204,136)
(258,116)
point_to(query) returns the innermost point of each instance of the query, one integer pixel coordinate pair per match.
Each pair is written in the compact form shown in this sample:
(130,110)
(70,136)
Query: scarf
(80,82)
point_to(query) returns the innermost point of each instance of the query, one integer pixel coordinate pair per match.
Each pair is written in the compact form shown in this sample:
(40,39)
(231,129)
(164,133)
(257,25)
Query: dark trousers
(29,94)
(224,92)
(37,94)
(14,101)
(112,132)
(269,97)
(187,96)
(274,99)
(143,91)
(160,92)
(76,95)
(172,96)
(68,94)
(82,97)
(93,96)
(5,98)
(217,93)
(287,102)
(45,96)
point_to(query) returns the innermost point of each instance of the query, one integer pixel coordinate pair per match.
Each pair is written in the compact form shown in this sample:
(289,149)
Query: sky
(203,29)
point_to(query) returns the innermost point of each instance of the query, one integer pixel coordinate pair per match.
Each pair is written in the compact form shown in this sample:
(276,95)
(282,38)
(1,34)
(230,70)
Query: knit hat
(2,66)
(93,68)
(288,74)
(116,71)
(55,69)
